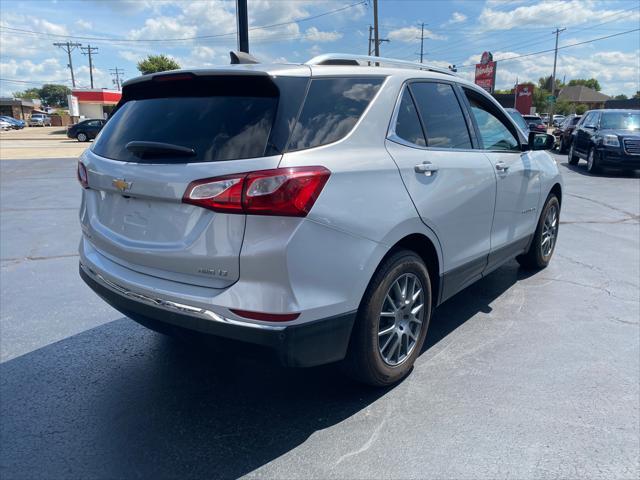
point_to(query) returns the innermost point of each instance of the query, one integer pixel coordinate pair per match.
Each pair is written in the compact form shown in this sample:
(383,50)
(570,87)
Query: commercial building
(94,103)
(16,108)
(581,95)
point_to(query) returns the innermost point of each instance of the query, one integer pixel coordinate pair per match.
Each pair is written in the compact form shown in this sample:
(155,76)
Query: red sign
(486,72)
(524,98)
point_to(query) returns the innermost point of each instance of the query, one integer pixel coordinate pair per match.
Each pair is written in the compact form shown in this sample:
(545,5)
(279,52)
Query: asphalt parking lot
(523,375)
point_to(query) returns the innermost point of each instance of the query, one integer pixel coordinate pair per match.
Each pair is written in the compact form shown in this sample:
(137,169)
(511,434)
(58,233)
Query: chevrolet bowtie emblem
(121,184)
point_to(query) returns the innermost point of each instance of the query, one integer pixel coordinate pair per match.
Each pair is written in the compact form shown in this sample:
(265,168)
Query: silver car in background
(39,120)
(322,210)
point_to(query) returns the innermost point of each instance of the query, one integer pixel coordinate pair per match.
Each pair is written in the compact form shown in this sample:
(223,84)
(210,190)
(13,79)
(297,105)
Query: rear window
(220,118)
(331,109)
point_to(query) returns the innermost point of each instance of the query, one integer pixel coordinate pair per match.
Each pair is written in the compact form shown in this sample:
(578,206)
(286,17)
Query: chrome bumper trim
(174,306)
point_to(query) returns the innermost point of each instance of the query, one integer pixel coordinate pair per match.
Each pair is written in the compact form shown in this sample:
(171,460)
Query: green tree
(54,95)
(637,95)
(50,94)
(590,83)
(157,63)
(622,96)
(564,107)
(580,109)
(540,100)
(544,83)
(29,93)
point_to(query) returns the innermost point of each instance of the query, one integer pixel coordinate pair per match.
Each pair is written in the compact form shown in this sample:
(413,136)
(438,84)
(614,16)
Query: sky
(200,33)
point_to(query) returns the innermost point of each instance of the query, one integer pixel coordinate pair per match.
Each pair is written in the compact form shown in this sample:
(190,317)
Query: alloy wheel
(401,318)
(549,232)
(590,159)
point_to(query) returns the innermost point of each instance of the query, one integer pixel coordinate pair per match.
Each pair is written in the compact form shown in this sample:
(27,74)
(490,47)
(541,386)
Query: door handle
(427,168)
(502,167)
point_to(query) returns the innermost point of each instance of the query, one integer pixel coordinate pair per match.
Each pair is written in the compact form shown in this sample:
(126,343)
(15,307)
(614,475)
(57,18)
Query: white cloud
(164,27)
(130,56)
(412,34)
(548,13)
(315,50)
(457,17)
(617,72)
(83,24)
(314,35)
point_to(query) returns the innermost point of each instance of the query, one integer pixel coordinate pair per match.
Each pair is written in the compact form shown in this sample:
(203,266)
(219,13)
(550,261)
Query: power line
(89,50)
(32,82)
(69,47)
(182,39)
(421,41)
(553,75)
(117,74)
(468,65)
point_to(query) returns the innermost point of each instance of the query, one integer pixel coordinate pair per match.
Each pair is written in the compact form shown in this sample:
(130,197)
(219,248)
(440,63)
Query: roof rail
(364,60)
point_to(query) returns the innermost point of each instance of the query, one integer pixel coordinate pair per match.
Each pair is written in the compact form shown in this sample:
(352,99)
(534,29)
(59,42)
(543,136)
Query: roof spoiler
(242,57)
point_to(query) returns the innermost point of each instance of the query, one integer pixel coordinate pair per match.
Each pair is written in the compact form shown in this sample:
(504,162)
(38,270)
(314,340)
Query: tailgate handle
(427,168)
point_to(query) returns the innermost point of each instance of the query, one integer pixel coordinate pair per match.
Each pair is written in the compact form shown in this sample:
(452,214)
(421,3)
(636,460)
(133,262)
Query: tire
(593,164)
(377,359)
(573,158)
(562,148)
(82,137)
(539,254)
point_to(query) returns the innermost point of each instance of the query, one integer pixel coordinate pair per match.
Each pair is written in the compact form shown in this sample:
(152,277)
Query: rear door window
(331,109)
(407,122)
(442,116)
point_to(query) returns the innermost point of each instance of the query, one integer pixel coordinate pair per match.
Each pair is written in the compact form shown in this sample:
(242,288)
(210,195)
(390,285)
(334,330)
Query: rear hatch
(168,131)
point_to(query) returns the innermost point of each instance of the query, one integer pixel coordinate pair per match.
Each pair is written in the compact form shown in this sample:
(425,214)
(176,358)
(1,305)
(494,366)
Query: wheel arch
(426,249)
(557,191)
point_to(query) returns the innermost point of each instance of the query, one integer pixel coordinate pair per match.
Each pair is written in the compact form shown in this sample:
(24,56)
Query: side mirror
(540,141)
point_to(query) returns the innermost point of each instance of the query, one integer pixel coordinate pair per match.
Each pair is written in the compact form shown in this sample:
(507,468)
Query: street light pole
(376,36)
(243,25)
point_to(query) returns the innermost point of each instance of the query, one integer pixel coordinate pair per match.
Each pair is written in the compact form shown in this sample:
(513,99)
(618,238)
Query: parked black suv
(86,130)
(564,131)
(607,138)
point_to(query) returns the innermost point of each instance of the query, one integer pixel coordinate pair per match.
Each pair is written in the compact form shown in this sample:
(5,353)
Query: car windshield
(620,120)
(536,120)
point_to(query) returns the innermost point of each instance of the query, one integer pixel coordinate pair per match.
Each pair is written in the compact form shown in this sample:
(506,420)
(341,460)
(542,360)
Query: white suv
(322,210)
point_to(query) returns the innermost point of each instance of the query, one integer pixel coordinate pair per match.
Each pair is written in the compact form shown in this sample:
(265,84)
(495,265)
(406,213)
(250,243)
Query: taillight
(83,177)
(282,191)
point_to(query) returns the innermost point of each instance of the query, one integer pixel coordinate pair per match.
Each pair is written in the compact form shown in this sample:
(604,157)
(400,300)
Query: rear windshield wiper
(158,149)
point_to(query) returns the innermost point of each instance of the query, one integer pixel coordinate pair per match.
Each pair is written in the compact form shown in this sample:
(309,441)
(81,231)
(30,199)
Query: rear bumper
(301,345)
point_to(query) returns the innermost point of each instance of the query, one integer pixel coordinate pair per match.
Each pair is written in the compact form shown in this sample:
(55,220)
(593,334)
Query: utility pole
(376,36)
(370,39)
(69,47)
(421,42)
(88,50)
(553,76)
(243,25)
(117,73)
